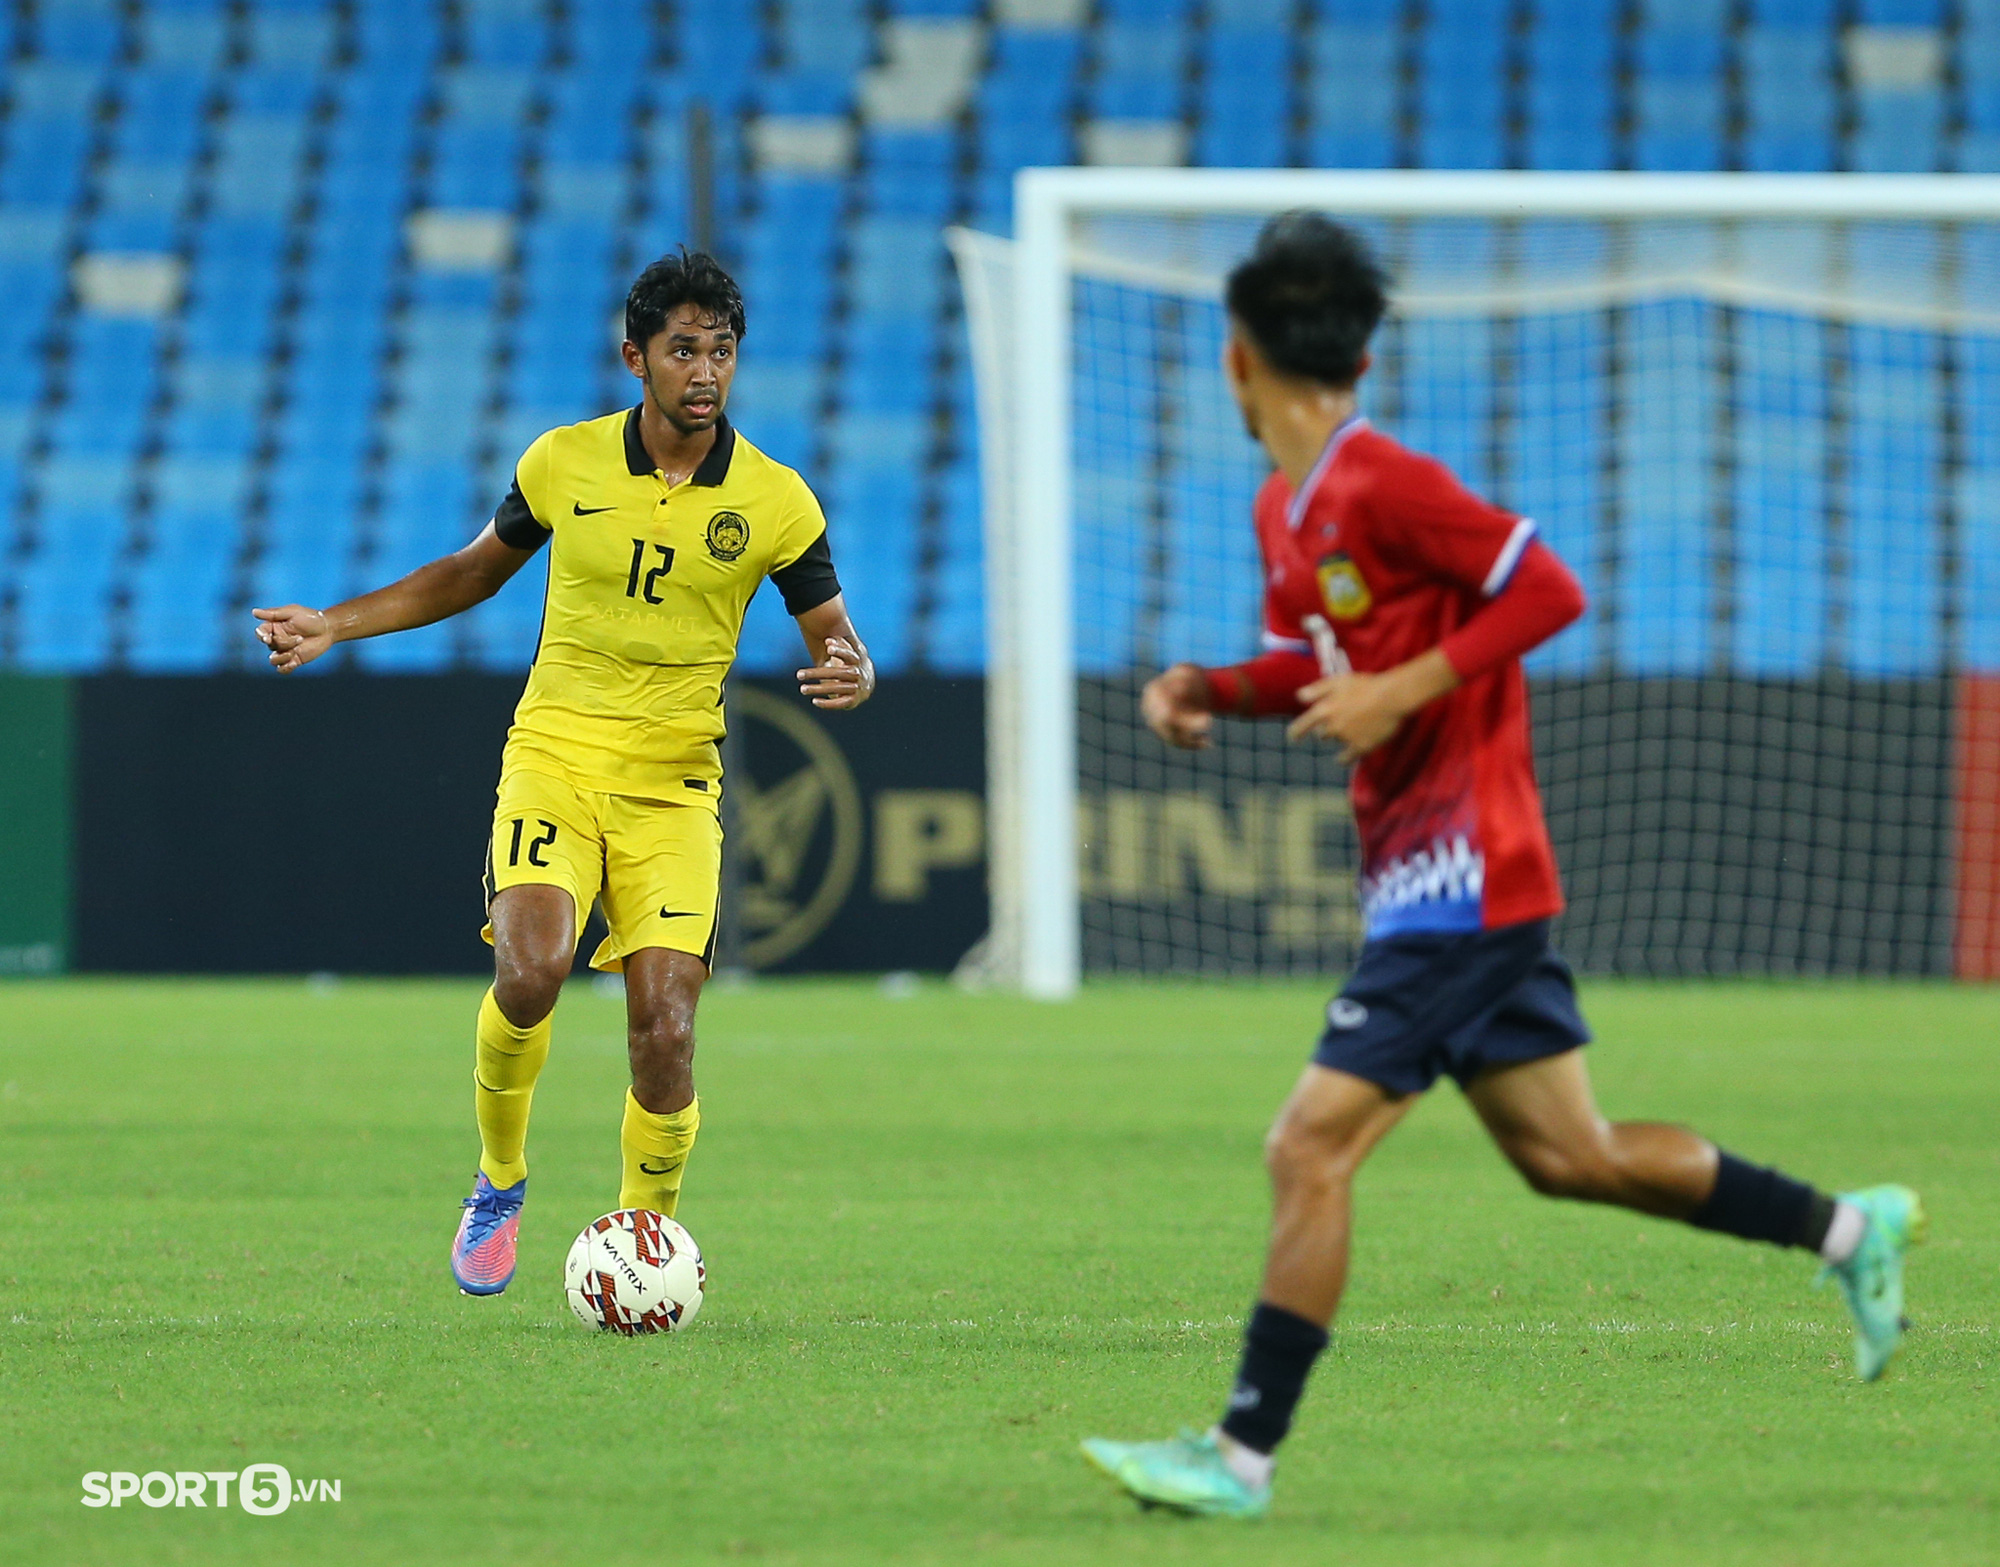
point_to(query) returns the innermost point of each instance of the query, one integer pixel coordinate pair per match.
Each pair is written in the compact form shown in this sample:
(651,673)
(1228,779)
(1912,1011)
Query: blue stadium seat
(588,125)
(806,88)
(1023,107)
(788,263)
(316,569)
(62,588)
(1275,16)
(80,34)
(1462,95)
(909,173)
(160,117)
(1808,14)
(729,38)
(282,92)
(32,257)
(155,185)
(958,625)
(896,268)
(256,167)
(1148,13)
(174,620)
(583,198)
(1140,65)
(218,404)
(560,372)
(1901,13)
(180,583)
(610,30)
(873,536)
(53,91)
(506,628)
(1245,101)
(190,40)
(1898,132)
(1354,96)
(486,94)
(285,39)
(1577,134)
(395,42)
(45,164)
(475,167)
(428,650)
(831,36)
(1569,97)
(449,339)
(1031,68)
(513,33)
(1789,99)
(1679,123)
(887,448)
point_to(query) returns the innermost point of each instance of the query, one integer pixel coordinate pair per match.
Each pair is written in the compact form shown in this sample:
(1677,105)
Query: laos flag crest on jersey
(1343,589)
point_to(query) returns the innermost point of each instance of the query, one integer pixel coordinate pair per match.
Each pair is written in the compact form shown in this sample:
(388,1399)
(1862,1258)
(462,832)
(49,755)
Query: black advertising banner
(251,824)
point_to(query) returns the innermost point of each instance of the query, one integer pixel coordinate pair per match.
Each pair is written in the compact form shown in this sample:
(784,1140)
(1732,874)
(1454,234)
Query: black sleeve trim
(516,526)
(809,581)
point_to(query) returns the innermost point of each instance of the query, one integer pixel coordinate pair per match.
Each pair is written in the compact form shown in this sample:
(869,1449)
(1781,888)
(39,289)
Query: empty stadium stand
(290,283)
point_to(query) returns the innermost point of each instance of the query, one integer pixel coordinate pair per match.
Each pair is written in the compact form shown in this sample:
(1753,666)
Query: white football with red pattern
(634,1271)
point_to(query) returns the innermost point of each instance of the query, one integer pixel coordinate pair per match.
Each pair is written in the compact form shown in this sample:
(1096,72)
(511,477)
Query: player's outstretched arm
(842,675)
(436,591)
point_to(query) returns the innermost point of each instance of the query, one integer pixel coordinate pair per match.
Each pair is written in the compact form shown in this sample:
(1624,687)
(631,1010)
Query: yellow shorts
(655,867)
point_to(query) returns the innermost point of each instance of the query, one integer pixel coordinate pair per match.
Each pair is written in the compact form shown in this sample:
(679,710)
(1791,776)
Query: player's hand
(294,634)
(844,681)
(1175,707)
(1360,711)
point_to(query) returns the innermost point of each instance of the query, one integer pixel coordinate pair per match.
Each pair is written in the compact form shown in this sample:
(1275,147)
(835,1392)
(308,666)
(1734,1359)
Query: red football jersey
(1395,554)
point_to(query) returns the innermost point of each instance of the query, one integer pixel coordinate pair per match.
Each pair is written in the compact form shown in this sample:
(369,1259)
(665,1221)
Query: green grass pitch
(948,1236)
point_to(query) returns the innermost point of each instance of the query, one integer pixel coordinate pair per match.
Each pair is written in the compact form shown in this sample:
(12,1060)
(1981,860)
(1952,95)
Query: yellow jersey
(647,588)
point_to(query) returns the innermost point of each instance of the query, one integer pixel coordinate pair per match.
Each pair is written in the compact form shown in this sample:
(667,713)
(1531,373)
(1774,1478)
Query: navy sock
(1279,1349)
(1763,1205)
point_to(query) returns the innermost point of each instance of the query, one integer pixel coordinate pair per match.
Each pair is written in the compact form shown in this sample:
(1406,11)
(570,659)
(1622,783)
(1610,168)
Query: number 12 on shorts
(536,844)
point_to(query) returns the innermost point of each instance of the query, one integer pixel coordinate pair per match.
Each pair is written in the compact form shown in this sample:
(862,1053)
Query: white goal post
(1619,241)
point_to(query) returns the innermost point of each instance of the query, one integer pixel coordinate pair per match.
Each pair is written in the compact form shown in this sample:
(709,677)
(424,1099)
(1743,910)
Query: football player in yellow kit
(662,521)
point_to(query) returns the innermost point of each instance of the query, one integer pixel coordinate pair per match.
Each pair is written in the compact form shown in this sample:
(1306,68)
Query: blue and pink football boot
(482,1257)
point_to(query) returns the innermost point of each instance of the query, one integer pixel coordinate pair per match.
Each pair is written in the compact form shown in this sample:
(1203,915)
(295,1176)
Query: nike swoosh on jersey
(588,511)
(678,914)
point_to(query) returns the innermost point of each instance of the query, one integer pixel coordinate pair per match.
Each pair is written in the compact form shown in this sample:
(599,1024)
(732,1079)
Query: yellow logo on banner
(1342,589)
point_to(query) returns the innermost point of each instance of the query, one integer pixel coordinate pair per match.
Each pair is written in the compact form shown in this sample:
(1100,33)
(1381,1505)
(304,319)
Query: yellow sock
(505,1066)
(656,1149)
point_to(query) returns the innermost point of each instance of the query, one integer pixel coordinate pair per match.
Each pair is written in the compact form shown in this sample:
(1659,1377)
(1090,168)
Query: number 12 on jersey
(634,586)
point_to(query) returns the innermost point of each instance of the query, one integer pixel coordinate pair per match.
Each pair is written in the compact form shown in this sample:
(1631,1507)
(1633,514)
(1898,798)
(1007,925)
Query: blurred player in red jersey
(1397,608)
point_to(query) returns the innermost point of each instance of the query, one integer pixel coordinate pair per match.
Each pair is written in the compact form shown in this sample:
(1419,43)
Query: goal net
(1758,416)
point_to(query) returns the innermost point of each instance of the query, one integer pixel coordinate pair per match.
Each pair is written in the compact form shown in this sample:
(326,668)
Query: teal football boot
(1187,1474)
(1872,1279)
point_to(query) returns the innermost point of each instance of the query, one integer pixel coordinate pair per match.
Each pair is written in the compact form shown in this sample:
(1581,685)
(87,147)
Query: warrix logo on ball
(262,1490)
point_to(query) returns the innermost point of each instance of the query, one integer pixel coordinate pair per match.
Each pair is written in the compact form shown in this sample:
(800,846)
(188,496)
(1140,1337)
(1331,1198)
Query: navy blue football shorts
(1425,1003)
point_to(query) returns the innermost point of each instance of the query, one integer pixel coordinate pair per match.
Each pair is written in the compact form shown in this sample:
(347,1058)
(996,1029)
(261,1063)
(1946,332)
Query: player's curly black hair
(682,277)
(1310,296)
